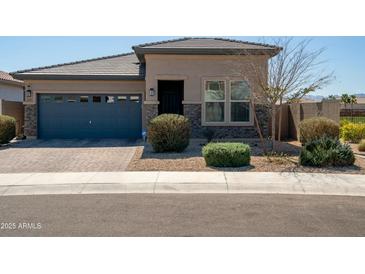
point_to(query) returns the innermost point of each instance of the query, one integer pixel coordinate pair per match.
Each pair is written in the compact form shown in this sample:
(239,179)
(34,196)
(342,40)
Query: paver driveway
(66,156)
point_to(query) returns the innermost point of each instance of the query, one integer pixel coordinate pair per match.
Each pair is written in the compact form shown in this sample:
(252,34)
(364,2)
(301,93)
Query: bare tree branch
(293,73)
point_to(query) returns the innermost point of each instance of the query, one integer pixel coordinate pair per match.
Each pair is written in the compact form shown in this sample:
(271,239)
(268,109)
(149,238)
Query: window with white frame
(239,101)
(215,100)
(227,101)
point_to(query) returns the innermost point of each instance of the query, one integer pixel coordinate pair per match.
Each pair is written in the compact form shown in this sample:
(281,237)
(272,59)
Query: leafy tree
(331,97)
(352,100)
(345,99)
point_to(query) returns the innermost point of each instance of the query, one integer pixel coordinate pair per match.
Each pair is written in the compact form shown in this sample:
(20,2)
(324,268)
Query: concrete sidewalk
(181,182)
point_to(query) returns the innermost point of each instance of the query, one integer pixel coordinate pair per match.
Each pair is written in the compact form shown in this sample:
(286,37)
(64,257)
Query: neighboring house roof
(205,46)
(115,67)
(8,79)
(131,66)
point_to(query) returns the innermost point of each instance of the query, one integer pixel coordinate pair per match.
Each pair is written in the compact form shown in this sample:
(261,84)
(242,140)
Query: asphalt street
(182,215)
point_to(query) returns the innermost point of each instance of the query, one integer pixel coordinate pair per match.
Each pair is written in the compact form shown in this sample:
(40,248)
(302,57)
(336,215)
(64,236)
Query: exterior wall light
(28,92)
(152,92)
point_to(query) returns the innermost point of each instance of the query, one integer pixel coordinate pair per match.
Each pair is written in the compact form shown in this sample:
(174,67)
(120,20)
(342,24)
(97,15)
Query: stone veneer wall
(30,120)
(151,111)
(193,113)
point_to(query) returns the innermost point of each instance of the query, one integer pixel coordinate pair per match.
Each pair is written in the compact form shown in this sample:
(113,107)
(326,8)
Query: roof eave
(29,76)
(140,52)
(11,82)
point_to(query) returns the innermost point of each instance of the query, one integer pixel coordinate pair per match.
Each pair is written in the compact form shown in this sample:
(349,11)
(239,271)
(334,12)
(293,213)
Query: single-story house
(209,80)
(11,99)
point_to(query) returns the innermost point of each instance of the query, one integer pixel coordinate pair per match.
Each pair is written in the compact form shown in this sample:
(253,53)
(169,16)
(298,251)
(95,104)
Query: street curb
(182,182)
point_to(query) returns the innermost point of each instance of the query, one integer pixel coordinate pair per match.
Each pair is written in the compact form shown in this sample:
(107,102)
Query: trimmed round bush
(352,132)
(317,127)
(361,146)
(326,152)
(7,128)
(227,154)
(169,133)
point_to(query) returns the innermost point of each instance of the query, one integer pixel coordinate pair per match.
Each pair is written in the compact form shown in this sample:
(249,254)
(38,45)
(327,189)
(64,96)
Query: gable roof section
(7,78)
(115,67)
(204,46)
(131,66)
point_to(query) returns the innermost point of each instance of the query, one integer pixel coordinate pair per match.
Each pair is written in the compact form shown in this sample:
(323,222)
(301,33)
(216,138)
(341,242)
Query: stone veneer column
(30,120)
(193,113)
(151,111)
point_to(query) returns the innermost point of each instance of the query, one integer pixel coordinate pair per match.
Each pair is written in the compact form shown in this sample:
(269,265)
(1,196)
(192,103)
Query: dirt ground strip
(191,160)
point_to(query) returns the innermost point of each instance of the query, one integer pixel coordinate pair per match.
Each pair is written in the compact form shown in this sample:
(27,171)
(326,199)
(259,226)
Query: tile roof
(204,46)
(205,43)
(4,76)
(130,66)
(124,65)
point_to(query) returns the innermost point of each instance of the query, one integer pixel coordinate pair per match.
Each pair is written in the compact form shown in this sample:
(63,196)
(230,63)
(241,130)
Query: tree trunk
(280,118)
(256,122)
(273,126)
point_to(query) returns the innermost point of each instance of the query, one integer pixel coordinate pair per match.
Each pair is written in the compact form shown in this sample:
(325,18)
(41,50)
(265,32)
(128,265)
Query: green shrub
(317,127)
(326,152)
(361,146)
(344,122)
(7,128)
(169,132)
(352,132)
(227,154)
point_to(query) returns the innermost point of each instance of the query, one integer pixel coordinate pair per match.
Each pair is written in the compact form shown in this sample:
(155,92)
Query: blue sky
(345,55)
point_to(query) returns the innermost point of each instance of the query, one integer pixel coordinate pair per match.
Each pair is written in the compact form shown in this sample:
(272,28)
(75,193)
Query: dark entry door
(170,95)
(89,116)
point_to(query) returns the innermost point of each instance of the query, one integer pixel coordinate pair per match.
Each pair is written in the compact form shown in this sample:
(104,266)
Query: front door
(170,96)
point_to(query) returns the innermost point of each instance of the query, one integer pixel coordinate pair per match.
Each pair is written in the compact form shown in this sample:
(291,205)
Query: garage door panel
(89,116)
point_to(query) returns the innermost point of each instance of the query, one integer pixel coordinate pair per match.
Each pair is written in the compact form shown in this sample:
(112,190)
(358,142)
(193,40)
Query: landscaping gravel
(191,160)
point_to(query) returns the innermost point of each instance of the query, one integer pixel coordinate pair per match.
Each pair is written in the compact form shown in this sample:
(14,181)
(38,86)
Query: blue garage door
(89,116)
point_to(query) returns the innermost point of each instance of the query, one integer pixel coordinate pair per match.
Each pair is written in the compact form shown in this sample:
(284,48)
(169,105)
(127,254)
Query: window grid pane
(58,99)
(72,99)
(214,112)
(109,99)
(46,98)
(214,91)
(240,112)
(134,99)
(240,90)
(84,99)
(96,99)
(122,98)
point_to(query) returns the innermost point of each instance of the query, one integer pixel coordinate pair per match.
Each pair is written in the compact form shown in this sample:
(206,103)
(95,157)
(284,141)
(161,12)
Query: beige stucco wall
(194,69)
(61,86)
(11,92)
